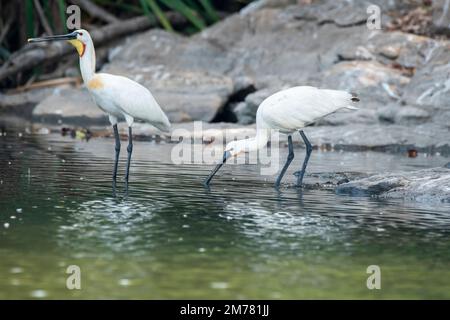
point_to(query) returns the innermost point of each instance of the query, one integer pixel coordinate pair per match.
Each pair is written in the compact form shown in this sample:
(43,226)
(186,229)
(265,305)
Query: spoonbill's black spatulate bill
(116,95)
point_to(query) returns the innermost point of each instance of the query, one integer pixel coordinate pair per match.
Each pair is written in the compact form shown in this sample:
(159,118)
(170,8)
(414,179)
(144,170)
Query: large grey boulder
(186,77)
(429,89)
(428,185)
(233,65)
(74,106)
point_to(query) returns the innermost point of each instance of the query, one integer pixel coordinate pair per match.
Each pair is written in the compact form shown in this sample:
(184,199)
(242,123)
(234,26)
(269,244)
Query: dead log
(95,11)
(33,55)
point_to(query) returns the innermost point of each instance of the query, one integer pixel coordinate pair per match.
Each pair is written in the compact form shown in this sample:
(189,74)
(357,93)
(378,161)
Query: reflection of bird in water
(117,96)
(288,111)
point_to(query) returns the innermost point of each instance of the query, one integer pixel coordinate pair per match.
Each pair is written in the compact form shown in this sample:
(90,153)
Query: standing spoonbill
(116,95)
(288,111)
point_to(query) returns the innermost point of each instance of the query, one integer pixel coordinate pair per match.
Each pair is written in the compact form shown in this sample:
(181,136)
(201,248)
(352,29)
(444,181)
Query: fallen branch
(47,83)
(95,11)
(33,55)
(42,17)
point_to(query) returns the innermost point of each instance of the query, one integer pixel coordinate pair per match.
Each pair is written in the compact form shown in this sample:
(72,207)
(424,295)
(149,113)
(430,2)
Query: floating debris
(39,294)
(412,153)
(16,270)
(83,134)
(124,282)
(43,131)
(219,285)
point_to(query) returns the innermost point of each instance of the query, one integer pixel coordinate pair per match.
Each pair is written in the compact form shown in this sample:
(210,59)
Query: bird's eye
(80,33)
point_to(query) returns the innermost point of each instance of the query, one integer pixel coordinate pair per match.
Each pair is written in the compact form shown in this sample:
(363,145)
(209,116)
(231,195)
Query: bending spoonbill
(288,111)
(118,96)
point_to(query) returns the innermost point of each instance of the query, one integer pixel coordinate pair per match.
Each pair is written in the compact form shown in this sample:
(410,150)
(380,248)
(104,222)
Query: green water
(171,238)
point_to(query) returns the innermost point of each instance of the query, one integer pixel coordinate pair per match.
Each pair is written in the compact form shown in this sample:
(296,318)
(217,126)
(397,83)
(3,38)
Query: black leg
(116,163)
(301,173)
(130,150)
(288,162)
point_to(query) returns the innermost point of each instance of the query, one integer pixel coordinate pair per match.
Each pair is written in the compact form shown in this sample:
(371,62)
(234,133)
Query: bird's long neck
(87,63)
(260,140)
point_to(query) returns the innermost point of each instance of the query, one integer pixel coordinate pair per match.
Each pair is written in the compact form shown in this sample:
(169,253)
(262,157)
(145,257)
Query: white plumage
(295,108)
(122,97)
(288,111)
(118,96)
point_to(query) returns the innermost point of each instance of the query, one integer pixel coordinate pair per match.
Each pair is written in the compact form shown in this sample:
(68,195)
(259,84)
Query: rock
(441,16)
(404,49)
(426,138)
(330,180)
(429,89)
(387,113)
(411,115)
(375,83)
(186,77)
(428,185)
(73,106)
(18,102)
(393,113)
(246,111)
(225,72)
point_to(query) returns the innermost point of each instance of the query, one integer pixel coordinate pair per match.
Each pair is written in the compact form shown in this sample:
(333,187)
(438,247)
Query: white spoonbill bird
(118,96)
(288,111)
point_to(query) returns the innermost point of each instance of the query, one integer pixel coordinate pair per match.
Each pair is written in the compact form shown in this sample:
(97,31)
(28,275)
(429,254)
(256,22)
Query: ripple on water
(173,238)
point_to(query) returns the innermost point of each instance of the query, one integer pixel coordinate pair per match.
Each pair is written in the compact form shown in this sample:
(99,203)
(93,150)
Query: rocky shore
(221,75)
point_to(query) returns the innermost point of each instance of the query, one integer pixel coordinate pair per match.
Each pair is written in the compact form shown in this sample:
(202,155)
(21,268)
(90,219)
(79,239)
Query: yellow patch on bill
(80,46)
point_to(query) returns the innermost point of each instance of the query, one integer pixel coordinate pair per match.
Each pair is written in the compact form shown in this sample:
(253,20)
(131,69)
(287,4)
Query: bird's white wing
(295,108)
(131,98)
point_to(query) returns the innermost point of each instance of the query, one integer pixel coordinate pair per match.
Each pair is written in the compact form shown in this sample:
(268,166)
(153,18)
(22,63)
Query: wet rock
(395,138)
(73,106)
(20,101)
(402,79)
(428,185)
(330,180)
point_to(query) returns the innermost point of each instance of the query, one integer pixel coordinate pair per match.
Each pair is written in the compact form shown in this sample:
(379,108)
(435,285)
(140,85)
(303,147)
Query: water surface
(172,238)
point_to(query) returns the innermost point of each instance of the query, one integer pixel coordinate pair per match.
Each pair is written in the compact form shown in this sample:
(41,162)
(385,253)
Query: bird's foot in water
(299,175)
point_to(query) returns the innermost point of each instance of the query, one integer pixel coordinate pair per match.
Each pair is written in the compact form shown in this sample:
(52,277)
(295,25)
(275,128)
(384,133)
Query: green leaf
(62,13)
(160,15)
(210,11)
(48,14)
(183,9)
(29,19)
